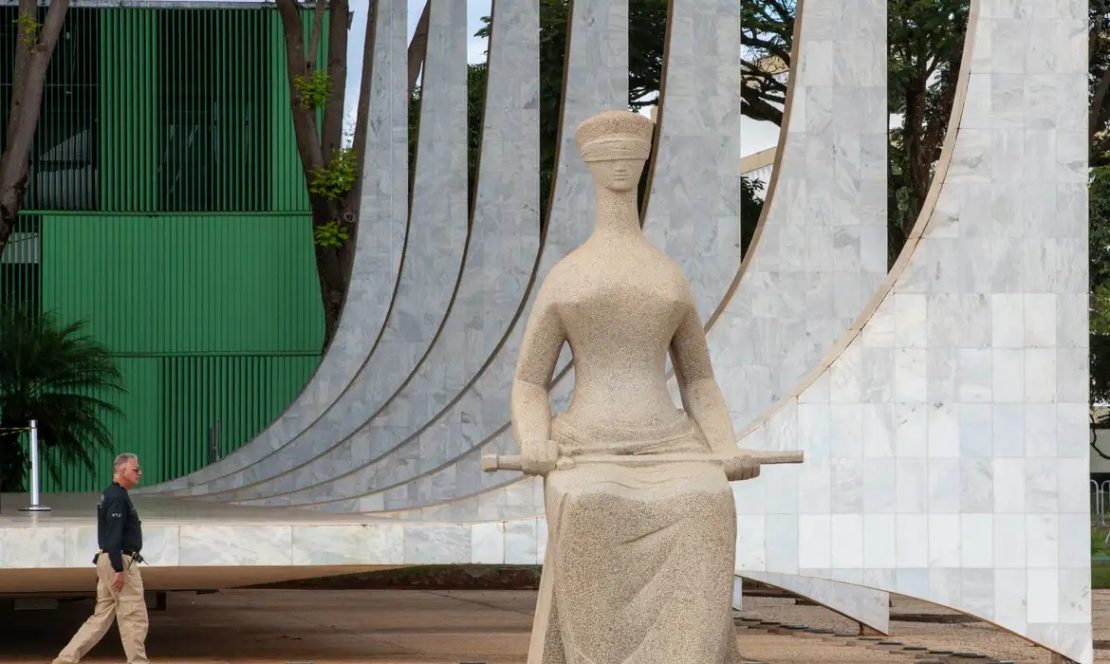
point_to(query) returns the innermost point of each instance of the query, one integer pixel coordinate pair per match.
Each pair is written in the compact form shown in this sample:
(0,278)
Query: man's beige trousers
(127,607)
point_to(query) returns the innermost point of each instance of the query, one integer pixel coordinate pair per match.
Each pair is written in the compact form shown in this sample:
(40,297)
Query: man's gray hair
(122,460)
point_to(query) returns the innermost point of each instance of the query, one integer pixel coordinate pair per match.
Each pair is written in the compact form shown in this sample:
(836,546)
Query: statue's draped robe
(639,561)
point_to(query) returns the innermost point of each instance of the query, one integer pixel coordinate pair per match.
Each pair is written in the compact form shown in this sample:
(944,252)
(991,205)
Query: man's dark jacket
(118,529)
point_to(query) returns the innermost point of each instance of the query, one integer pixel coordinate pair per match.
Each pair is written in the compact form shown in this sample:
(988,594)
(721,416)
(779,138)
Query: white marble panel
(433,544)
(161,545)
(226,545)
(38,547)
(520,542)
(694,204)
(487,543)
(808,274)
(871,607)
(348,544)
(986,319)
(80,545)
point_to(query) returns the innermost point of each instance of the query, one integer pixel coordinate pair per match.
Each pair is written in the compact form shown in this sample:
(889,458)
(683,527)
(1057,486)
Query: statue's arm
(530,405)
(701,396)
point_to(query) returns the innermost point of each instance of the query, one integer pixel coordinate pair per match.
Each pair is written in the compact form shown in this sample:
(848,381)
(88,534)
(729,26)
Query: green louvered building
(166,207)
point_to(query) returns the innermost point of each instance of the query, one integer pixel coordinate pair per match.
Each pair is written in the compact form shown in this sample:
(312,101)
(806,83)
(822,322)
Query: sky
(754,136)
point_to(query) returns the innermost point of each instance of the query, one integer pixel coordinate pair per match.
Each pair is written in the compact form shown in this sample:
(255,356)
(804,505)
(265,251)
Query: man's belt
(135,556)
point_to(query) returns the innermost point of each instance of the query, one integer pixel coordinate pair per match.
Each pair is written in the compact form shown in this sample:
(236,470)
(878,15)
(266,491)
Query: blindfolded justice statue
(641,521)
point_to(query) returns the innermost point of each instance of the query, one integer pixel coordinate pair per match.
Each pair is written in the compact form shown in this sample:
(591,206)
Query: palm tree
(54,374)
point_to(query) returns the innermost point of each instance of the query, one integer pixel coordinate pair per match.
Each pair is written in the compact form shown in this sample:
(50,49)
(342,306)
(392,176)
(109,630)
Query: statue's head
(615,145)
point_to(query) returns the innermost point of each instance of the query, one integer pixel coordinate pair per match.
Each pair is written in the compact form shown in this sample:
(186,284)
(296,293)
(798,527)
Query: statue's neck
(618,215)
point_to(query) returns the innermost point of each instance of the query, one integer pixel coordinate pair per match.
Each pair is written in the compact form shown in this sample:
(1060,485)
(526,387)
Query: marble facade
(942,406)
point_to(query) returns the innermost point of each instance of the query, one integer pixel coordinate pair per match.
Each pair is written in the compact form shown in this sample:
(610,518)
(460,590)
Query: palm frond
(60,376)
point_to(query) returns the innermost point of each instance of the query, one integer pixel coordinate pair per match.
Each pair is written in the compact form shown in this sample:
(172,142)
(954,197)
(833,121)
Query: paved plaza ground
(379,626)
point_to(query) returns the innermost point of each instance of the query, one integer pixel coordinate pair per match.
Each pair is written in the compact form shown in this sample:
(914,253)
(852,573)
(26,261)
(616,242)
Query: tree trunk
(318,148)
(332,135)
(29,76)
(333,281)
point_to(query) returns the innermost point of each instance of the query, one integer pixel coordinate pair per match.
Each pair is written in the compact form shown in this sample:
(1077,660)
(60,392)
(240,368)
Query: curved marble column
(694,204)
(437,238)
(699,124)
(946,434)
(820,250)
(870,607)
(380,241)
(596,79)
(500,258)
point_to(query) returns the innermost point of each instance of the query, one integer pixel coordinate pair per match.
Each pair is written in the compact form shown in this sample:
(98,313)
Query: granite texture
(639,558)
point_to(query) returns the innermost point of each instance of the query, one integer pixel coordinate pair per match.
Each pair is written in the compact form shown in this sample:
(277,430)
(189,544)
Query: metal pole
(1100,521)
(34,506)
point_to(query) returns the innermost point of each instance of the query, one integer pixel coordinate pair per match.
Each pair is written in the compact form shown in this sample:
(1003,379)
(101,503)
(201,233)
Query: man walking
(119,588)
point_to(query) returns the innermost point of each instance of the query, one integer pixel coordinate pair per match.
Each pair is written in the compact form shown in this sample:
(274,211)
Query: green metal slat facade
(167,208)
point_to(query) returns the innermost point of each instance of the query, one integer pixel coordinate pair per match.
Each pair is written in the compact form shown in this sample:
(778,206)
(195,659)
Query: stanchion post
(35,506)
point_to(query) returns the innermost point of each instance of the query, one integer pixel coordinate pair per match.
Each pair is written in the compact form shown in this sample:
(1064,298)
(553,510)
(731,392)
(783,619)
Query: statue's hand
(538,458)
(741,467)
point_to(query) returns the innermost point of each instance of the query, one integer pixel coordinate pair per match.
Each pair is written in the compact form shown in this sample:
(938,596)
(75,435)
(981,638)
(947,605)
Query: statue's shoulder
(558,280)
(567,269)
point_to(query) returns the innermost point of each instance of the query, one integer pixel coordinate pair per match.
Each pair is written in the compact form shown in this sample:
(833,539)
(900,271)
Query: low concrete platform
(196,545)
(380,626)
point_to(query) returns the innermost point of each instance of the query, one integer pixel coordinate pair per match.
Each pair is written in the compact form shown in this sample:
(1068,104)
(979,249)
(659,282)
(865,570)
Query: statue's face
(617,175)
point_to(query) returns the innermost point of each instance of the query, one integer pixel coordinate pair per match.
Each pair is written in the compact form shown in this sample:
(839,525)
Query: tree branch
(317,30)
(26,106)
(756,107)
(304,118)
(418,48)
(19,73)
(337,74)
(1093,123)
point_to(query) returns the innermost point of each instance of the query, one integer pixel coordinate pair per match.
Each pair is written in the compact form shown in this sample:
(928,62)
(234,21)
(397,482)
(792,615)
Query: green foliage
(29,30)
(475,105)
(766,37)
(332,234)
(926,39)
(1098,543)
(1098,45)
(315,90)
(336,179)
(1100,577)
(751,206)
(1098,238)
(54,374)
(647,23)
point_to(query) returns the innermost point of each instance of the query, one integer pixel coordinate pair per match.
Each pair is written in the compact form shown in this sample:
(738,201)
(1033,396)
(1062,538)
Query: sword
(495,462)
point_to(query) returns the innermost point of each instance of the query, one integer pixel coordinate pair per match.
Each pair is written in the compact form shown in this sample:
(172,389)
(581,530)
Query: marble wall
(942,407)
(438,460)
(945,438)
